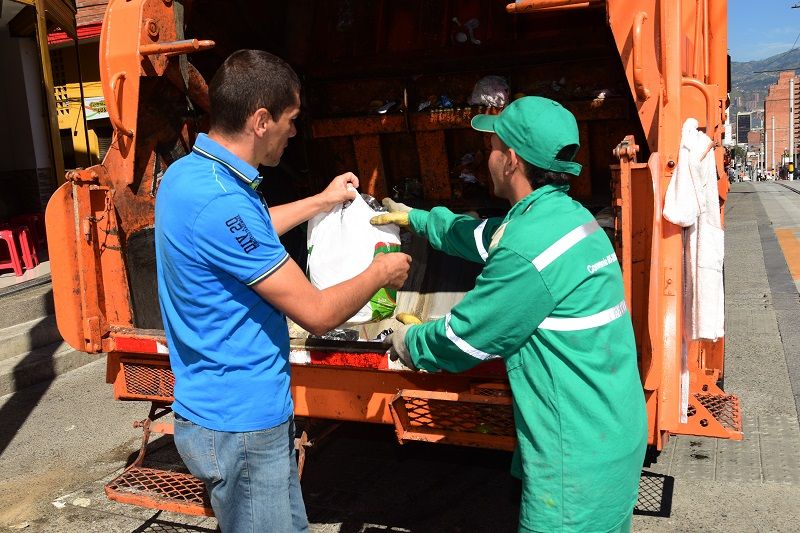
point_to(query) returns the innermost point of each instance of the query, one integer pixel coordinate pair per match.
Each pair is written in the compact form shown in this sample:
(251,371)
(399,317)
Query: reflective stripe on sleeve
(479,240)
(585,322)
(463,345)
(555,250)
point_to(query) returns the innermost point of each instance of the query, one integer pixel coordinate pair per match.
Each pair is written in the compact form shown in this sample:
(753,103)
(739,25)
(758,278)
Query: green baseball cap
(539,130)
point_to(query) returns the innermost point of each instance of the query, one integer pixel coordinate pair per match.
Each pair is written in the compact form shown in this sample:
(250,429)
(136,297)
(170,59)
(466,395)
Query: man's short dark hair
(249,80)
(539,177)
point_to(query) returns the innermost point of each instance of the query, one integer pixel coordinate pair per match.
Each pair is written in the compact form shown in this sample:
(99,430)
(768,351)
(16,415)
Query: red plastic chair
(35,224)
(27,245)
(7,237)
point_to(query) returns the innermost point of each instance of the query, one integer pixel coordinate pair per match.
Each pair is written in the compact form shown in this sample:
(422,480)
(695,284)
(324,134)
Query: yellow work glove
(396,342)
(398,214)
(408,319)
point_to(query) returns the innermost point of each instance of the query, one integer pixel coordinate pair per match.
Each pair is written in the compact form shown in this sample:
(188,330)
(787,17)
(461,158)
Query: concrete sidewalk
(752,485)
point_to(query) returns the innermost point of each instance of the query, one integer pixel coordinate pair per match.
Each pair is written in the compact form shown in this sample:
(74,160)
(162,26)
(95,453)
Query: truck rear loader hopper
(630,71)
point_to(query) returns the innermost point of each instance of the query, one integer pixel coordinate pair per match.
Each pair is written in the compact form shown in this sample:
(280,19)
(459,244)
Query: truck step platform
(144,379)
(717,410)
(711,411)
(483,418)
(160,489)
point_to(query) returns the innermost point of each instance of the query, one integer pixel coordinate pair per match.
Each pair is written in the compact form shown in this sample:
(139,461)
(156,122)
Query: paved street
(60,442)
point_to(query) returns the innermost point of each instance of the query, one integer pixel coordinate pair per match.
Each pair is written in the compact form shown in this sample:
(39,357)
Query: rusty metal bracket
(314,432)
(642,92)
(626,152)
(627,149)
(531,6)
(184,46)
(157,410)
(81,176)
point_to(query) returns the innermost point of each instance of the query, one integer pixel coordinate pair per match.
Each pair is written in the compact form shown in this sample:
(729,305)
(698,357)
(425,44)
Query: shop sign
(95,107)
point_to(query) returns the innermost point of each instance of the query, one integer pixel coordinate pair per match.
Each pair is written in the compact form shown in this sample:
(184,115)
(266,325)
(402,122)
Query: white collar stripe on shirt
(227,165)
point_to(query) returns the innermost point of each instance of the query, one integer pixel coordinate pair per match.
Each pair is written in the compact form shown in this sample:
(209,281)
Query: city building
(742,127)
(781,124)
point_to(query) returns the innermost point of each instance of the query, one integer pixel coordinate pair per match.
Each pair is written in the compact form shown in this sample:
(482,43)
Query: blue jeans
(251,477)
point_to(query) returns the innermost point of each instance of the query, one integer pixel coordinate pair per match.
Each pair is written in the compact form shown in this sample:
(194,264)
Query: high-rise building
(742,127)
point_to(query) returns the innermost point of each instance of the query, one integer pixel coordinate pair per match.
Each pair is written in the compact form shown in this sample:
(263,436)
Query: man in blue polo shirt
(226,286)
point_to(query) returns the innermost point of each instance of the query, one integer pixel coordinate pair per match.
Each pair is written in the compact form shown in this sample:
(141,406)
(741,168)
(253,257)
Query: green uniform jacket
(550,301)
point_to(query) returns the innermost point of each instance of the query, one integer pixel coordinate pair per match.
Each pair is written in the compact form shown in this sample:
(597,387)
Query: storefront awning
(84,32)
(58,13)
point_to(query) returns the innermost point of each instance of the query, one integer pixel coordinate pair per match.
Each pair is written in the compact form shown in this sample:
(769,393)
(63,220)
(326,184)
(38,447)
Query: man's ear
(513,161)
(261,120)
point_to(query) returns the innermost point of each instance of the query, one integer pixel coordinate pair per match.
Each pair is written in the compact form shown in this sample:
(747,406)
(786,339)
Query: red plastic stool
(35,224)
(27,245)
(7,236)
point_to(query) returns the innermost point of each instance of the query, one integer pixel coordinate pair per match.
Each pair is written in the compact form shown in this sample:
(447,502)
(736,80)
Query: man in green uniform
(550,301)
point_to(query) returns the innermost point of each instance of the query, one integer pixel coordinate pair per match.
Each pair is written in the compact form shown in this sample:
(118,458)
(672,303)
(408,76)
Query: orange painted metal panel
(90,286)
(433,163)
(635,26)
(363,395)
(651,358)
(345,127)
(62,244)
(445,119)
(369,159)
(119,75)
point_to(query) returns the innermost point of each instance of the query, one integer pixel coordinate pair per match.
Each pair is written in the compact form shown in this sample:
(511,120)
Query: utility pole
(790,165)
(772,159)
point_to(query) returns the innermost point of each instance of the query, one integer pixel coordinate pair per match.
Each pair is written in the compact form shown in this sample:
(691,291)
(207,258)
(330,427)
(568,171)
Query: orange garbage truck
(389,89)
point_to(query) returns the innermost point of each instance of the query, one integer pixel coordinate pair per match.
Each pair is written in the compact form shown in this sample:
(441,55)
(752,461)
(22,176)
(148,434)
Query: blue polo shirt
(228,347)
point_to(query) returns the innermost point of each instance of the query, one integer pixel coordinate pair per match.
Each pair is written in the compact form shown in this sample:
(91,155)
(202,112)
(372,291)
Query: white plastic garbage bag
(341,245)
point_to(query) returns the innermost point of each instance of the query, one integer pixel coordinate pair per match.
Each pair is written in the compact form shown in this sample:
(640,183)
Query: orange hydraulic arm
(99,211)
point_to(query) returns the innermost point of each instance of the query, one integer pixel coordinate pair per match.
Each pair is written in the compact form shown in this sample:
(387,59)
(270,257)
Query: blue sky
(758,29)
